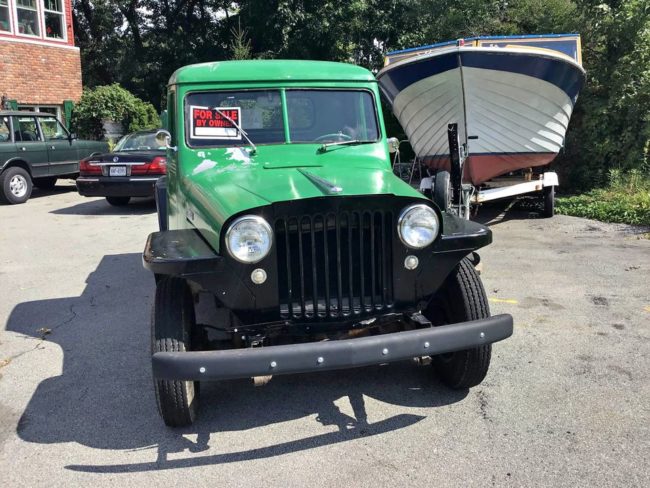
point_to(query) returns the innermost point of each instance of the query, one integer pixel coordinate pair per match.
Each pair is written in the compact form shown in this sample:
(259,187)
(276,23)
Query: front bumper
(328,355)
(116,186)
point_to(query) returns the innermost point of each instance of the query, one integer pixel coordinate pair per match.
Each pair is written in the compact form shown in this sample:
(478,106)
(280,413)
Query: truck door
(61,151)
(30,145)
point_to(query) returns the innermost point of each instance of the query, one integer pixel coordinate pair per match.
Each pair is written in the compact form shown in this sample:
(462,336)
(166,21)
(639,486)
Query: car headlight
(249,239)
(418,226)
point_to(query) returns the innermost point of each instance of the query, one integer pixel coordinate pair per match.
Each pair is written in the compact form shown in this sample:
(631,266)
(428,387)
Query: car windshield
(140,141)
(313,116)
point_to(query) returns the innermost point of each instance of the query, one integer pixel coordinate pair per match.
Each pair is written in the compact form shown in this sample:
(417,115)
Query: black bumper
(112,186)
(328,355)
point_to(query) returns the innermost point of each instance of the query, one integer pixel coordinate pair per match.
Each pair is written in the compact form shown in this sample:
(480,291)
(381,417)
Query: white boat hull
(512,106)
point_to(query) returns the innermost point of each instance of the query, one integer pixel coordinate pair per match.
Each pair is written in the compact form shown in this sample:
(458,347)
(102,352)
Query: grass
(625,200)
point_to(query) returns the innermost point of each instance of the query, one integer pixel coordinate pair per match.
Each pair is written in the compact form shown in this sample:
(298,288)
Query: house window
(54,25)
(41,108)
(5,22)
(27,15)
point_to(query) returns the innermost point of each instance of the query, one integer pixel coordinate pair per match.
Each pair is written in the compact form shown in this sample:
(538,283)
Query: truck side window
(5,130)
(52,129)
(25,129)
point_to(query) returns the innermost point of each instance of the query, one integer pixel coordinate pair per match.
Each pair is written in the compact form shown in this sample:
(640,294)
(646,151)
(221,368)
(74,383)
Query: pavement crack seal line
(503,300)
(43,331)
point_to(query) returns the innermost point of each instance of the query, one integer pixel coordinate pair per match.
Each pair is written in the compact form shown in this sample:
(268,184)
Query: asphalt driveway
(566,402)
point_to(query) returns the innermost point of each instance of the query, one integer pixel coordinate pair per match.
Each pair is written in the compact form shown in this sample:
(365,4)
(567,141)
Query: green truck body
(280,208)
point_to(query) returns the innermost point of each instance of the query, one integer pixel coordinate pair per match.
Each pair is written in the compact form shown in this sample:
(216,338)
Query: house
(40,67)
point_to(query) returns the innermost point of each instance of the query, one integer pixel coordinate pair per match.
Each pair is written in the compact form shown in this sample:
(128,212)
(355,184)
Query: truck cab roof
(270,70)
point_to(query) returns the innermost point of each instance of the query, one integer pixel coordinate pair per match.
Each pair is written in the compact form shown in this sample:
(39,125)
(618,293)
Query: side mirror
(393,145)
(167,137)
(72,136)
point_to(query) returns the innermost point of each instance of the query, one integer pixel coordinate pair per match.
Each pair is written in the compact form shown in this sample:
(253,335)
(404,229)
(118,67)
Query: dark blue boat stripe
(395,80)
(562,74)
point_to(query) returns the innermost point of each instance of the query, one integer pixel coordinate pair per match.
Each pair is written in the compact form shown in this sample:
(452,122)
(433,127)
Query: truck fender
(161,202)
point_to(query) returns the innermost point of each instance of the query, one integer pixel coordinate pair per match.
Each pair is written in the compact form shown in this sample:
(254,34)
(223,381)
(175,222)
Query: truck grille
(335,265)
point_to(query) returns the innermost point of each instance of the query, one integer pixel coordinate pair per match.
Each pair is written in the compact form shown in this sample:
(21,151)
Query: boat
(511,97)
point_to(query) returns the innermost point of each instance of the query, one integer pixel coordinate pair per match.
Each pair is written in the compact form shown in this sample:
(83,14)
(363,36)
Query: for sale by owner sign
(208,123)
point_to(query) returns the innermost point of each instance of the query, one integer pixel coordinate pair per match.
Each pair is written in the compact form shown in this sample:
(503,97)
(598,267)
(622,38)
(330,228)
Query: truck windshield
(314,116)
(258,112)
(324,116)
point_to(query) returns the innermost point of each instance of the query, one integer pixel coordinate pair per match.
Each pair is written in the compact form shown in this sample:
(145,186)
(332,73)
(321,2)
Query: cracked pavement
(566,402)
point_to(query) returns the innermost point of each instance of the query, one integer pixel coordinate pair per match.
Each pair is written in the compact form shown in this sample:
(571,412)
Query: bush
(114,103)
(626,200)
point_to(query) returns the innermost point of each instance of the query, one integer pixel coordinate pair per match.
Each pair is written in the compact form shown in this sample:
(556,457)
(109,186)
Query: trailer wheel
(462,298)
(549,201)
(441,190)
(171,331)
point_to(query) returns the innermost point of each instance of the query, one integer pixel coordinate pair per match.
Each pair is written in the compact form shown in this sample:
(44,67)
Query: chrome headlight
(418,226)
(249,239)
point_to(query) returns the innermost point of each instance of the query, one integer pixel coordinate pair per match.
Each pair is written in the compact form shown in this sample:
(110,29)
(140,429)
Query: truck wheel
(118,201)
(15,185)
(45,183)
(171,331)
(441,193)
(462,298)
(549,201)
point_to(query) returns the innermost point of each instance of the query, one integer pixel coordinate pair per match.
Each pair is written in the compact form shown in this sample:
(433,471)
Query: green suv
(35,150)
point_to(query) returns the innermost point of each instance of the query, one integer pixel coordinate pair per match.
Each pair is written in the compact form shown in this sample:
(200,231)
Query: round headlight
(418,226)
(249,239)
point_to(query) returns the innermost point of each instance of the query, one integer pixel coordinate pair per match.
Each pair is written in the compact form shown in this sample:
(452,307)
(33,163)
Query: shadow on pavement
(137,206)
(60,188)
(104,396)
(499,211)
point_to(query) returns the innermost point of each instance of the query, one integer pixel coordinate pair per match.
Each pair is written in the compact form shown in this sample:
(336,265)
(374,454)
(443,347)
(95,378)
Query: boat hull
(512,106)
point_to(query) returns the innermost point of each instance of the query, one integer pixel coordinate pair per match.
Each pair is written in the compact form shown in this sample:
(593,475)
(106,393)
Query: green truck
(35,150)
(287,244)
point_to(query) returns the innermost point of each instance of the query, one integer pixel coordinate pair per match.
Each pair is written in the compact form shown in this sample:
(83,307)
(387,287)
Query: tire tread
(469,367)
(171,330)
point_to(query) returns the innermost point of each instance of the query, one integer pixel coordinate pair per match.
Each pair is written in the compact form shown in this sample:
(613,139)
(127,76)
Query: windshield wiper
(352,142)
(238,127)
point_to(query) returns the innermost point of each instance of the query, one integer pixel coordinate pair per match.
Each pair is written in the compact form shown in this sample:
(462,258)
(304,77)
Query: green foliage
(626,200)
(111,102)
(241,44)
(139,44)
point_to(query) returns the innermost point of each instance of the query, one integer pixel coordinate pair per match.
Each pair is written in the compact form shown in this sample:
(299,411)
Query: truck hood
(230,182)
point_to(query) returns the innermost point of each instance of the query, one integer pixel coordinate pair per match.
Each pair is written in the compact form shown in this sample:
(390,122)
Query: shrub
(114,103)
(626,200)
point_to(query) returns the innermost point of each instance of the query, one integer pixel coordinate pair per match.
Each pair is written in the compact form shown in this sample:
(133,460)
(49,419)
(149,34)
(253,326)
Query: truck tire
(171,331)
(118,201)
(549,201)
(462,298)
(45,183)
(441,192)
(15,185)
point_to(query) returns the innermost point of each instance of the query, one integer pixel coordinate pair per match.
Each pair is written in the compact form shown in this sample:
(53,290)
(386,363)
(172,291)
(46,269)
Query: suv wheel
(15,185)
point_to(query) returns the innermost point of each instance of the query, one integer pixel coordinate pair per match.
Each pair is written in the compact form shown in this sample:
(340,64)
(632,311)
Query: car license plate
(117,171)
